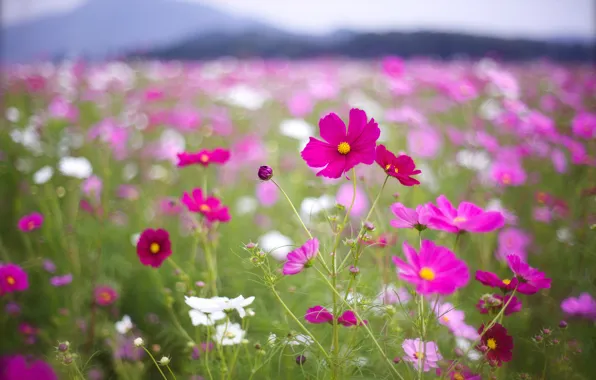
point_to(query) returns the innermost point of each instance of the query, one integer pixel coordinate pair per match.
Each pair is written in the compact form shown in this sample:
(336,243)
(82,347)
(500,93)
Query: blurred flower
(421,354)
(584,125)
(229,334)
(49,266)
(204,157)
(154,247)
(583,306)
(77,167)
(390,295)
(559,160)
(467,217)
(508,173)
(210,207)
(276,244)
(198,318)
(20,367)
(60,108)
(530,280)
(12,279)
(105,295)
(43,175)
(402,167)
(12,309)
(342,151)
(300,105)
(92,186)
(344,197)
(393,66)
(512,240)
(30,222)
(61,280)
(301,258)
(434,270)
(318,315)
(348,318)
(424,143)
(267,193)
(129,192)
(496,343)
(125,325)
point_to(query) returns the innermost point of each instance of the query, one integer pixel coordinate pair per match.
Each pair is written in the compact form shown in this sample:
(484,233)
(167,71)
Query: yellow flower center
(506,178)
(204,158)
(154,248)
(460,219)
(30,225)
(10,280)
(458,376)
(105,296)
(445,319)
(204,208)
(427,274)
(541,197)
(419,355)
(387,167)
(229,335)
(343,148)
(491,343)
(506,281)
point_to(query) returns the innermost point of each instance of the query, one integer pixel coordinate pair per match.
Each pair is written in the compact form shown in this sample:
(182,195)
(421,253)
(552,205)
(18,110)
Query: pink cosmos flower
(21,367)
(61,280)
(492,280)
(542,214)
(467,217)
(530,280)
(341,151)
(421,354)
(348,319)
(318,314)
(584,125)
(512,241)
(402,167)
(30,222)
(105,295)
(300,105)
(508,173)
(494,303)
(462,91)
(448,315)
(169,206)
(583,306)
(409,218)
(559,160)
(60,108)
(203,157)
(13,279)
(128,192)
(434,270)
(391,295)
(92,187)
(424,143)
(344,196)
(301,258)
(210,207)
(267,193)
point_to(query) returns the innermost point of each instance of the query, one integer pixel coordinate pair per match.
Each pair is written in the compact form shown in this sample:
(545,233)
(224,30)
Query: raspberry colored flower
(530,280)
(496,344)
(105,295)
(402,167)
(582,306)
(409,218)
(434,270)
(153,247)
(348,318)
(467,217)
(203,157)
(30,222)
(318,314)
(342,151)
(393,66)
(492,280)
(210,207)
(19,367)
(13,279)
(421,354)
(27,329)
(494,303)
(301,258)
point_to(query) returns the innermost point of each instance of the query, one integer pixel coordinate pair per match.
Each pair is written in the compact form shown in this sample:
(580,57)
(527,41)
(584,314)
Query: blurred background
(205,29)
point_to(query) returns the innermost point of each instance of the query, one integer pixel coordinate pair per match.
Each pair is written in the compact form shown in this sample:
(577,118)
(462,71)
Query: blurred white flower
(198,318)
(134,239)
(246,205)
(477,160)
(29,138)
(564,235)
(12,114)
(77,167)
(220,304)
(300,339)
(246,97)
(271,339)
(276,244)
(24,165)
(228,334)
(158,172)
(138,342)
(464,345)
(125,325)
(428,178)
(296,128)
(312,206)
(43,175)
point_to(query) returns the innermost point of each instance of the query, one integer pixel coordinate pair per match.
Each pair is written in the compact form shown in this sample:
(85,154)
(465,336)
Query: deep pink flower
(348,318)
(409,218)
(512,241)
(301,258)
(61,280)
(318,314)
(530,280)
(13,279)
(467,217)
(210,207)
(393,66)
(434,270)
(584,125)
(169,206)
(492,280)
(421,354)
(494,303)
(583,306)
(28,329)
(424,142)
(341,151)
(154,247)
(105,295)
(19,367)
(30,222)
(402,167)
(204,157)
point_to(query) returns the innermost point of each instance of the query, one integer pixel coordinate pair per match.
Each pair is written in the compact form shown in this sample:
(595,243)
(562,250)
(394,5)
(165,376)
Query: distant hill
(108,27)
(256,43)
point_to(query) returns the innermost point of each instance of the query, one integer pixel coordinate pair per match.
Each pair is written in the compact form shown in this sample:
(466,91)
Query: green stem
(207,353)
(155,362)
(172,373)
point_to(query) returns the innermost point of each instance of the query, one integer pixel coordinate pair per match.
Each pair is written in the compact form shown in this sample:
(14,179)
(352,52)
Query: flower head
(210,207)
(30,222)
(203,157)
(421,354)
(229,334)
(17,367)
(530,280)
(492,280)
(349,318)
(434,270)
(265,173)
(409,218)
(61,280)
(583,306)
(512,240)
(125,325)
(402,167)
(154,247)
(318,314)
(301,258)
(105,295)
(220,304)
(467,217)
(341,151)
(13,279)
(497,344)
(494,303)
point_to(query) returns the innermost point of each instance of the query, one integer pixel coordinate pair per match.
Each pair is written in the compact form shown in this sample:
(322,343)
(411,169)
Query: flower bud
(265,173)
(396,360)
(67,359)
(300,359)
(164,360)
(546,331)
(250,245)
(354,269)
(562,325)
(369,226)
(139,342)
(63,347)
(257,346)
(538,338)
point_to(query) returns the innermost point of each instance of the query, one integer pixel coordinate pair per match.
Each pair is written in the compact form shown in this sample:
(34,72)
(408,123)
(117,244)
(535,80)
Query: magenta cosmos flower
(409,218)
(402,167)
(434,270)
(530,280)
(13,279)
(341,151)
(154,247)
(583,306)
(105,295)
(421,354)
(494,303)
(19,367)
(492,280)
(584,125)
(204,157)
(318,314)
(30,222)
(467,217)
(210,207)
(301,258)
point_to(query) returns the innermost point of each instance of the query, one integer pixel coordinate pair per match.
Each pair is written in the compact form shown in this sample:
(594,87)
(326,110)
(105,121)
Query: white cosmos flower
(276,244)
(12,114)
(78,167)
(246,205)
(464,345)
(312,206)
(43,175)
(300,339)
(198,318)
(220,304)
(228,334)
(271,339)
(296,128)
(125,325)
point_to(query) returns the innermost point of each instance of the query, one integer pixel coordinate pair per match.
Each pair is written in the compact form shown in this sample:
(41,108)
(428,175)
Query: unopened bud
(562,325)
(250,245)
(139,342)
(164,360)
(369,226)
(300,359)
(265,173)
(354,269)
(63,347)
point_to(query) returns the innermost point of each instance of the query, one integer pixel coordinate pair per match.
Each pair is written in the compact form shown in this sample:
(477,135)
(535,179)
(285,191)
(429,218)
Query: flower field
(325,219)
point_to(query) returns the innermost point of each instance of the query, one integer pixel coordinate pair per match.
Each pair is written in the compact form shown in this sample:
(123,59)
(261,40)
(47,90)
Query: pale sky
(525,18)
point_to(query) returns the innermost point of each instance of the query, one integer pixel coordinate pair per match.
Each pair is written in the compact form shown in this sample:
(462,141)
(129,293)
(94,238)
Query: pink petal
(333,129)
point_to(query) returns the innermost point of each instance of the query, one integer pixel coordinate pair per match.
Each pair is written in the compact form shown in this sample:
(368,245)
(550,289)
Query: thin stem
(207,352)
(179,326)
(155,362)
(172,373)
(422,334)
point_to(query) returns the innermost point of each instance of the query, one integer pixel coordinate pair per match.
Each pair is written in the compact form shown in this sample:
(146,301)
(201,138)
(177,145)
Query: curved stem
(155,362)
(172,373)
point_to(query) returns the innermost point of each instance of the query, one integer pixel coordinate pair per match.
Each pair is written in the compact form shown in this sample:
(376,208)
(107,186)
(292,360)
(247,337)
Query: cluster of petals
(319,314)
(583,306)
(466,217)
(301,258)
(409,218)
(30,222)
(204,157)
(154,247)
(216,305)
(421,354)
(526,280)
(12,279)
(208,206)
(402,167)
(496,344)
